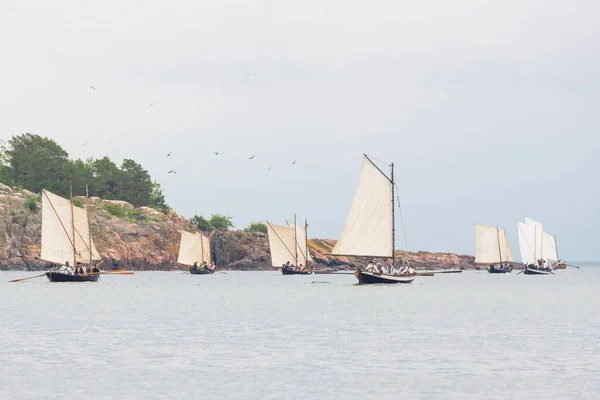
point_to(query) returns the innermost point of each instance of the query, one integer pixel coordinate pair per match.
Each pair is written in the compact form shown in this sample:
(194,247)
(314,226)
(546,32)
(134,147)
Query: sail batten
(368,227)
(193,247)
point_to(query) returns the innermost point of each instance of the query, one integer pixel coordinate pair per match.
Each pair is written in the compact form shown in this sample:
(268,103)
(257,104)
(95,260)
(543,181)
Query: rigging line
(401,219)
(378,160)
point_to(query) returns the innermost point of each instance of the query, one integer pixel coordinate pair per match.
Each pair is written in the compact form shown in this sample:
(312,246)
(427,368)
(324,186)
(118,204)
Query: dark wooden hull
(58,277)
(534,271)
(201,271)
(494,270)
(286,271)
(365,278)
(562,266)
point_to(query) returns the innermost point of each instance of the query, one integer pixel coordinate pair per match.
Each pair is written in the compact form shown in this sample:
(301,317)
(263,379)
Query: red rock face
(143,238)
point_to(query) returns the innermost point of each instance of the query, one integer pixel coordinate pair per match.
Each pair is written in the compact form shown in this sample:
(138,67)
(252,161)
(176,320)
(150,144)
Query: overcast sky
(488,108)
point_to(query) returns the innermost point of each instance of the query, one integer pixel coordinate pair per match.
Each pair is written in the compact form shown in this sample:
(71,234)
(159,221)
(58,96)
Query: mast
(73,224)
(306,242)
(89,227)
(295,242)
(393,223)
(534,245)
(499,247)
(542,245)
(202,247)
(556,248)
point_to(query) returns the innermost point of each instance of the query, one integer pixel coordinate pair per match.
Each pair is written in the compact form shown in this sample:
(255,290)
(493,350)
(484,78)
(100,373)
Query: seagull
(251,158)
(267,167)
(151,105)
(111,140)
(93,87)
(294,162)
(249,75)
(171,171)
(168,154)
(216,153)
(200,110)
(85,144)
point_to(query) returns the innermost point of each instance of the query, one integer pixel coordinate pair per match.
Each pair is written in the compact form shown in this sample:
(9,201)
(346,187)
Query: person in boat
(79,269)
(66,269)
(205,266)
(370,266)
(95,269)
(288,265)
(302,267)
(403,269)
(194,267)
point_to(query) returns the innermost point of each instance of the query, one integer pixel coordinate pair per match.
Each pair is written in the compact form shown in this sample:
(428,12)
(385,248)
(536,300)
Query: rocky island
(142,238)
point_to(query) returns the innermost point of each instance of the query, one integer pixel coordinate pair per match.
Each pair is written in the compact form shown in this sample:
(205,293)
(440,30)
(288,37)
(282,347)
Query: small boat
(66,236)
(534,244)
(289,247)
(491,247)
(194,248)
(369,230)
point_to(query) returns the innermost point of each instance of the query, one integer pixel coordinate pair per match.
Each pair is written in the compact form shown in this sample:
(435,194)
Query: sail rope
(401,219)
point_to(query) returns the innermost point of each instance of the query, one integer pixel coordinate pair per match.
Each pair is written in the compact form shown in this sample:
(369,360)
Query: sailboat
(531,245)
(369,230)
(194,248)
(289,247)
(66,236)
(491,247)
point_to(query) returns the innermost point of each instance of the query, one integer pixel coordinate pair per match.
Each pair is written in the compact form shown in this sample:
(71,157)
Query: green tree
(80,173)
(37,163)
(105,177)
(202,223)
(256,227)
(220,222)
(157,198)
(136,184)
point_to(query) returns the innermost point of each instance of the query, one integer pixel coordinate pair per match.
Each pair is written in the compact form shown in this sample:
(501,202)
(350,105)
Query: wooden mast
(499,247)
(556,248)
(202,248)
(295,242)
(393,223)
(87,213)
(534,244)
(73,225)
(306,242)
(542,245)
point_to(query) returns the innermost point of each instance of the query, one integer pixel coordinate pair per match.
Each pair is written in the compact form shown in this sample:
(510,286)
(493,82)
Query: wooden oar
(523,270)
(24,279)
(115,272)
(425,274)
(574,266)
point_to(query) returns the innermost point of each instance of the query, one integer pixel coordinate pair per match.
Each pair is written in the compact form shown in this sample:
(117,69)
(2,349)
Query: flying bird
(168,154)
(249,75)
(171,171)
(111,140)
(216,153)
(267,167)
(151,105)
(294,162)
(251,158)
(85,144)
(200,110)
(92,87)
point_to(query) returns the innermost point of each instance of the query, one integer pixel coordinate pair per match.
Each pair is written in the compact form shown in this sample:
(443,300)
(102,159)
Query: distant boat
(194,248)
(289,248)
(66,236)
(491,248)
(531,245)
(369,230)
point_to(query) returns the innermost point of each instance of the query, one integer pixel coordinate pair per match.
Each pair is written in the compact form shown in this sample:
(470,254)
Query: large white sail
(550,251)
(504,247)
(300,243)
(83,239)
(368,227)
(57,229)
(281,244)
(193,247)
(487,249)
(536,229)
(526,235)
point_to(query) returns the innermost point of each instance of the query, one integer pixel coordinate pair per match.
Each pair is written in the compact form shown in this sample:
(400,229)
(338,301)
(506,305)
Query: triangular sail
(193,247)
(281,244)
(368,227)
(301,243)
(536,230)
(57,230)
(83,240)
(526,242)
(549,250)
(486,245)
(504,247)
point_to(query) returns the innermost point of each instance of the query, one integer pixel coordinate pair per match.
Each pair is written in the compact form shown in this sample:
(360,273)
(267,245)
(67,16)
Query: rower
(194,267)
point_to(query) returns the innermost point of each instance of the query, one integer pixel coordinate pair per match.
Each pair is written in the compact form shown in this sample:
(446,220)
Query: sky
(489,109)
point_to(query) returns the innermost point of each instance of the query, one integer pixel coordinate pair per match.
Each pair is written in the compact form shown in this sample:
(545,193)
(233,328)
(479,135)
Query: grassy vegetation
(128,214)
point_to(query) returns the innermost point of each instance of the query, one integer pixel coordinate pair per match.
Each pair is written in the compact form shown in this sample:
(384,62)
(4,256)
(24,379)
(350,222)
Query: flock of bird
(216,153)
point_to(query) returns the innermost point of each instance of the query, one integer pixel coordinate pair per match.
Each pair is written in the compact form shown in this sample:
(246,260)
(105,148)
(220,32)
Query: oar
(185,272)
(24,279)
(523,270)
(115,272)
(569,265)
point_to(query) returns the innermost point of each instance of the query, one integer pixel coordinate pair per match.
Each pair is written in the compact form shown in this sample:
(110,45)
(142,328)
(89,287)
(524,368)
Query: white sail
(57,230)
(526,234)
(281,244)
(487,249)
(504,247)
(549,250)
(301,243)
(368,227)
(537,237)
(193,247)
(83,239)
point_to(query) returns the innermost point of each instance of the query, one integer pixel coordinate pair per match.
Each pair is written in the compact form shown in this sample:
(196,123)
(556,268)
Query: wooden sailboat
(369,230)
(491,247)
(66,236)
(289,247)
(194,248)
(531,245)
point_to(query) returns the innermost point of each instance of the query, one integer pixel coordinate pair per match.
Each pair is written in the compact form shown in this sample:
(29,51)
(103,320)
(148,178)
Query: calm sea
(261,335)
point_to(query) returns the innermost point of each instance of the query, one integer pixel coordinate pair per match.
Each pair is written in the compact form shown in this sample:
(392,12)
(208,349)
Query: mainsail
(83,239)
(491,245)
(300,242)
(526,235)
(368,230)
(284,245)
(57,230)
(537,239)
(549,250)
(193,247)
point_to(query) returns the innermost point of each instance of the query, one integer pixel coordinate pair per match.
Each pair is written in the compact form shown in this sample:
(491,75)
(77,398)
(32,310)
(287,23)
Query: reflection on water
(267,336)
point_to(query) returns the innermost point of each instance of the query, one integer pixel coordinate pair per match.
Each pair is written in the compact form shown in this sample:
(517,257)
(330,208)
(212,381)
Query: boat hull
(559,266)
(493,270)
(533,271)
(286,271)
(365,278)
(201,271)
(58,277)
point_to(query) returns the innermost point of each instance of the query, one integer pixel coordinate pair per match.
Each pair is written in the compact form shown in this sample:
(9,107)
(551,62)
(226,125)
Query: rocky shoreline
(145,239)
